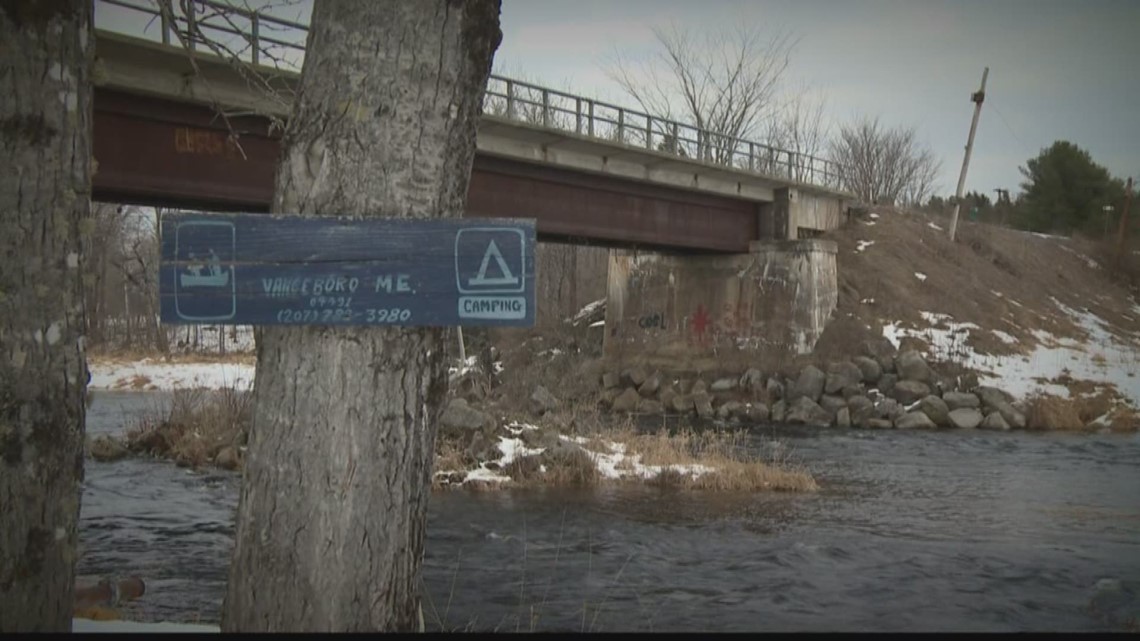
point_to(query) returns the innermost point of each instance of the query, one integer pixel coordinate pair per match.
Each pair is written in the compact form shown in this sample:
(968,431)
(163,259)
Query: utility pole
(977,98)
(1003,203)
(1123,223)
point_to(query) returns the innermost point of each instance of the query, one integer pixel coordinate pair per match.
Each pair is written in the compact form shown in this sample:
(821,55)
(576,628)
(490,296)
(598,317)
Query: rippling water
(944,531)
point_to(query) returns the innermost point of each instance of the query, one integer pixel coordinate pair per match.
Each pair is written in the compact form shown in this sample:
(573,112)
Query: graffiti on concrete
(655,320)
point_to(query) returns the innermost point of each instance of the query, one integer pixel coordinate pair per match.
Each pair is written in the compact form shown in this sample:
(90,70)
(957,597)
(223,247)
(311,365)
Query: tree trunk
(330,526)
(45,167)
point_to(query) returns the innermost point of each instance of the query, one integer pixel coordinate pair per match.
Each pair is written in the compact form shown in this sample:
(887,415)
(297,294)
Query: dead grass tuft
(1048,412)
(195,428)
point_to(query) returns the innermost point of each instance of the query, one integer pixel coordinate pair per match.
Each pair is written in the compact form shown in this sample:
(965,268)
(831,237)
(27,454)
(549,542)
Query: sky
(1059,70)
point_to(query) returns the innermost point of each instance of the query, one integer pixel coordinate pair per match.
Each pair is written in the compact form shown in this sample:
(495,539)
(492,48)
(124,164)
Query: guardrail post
(648,132)
(255,21)
(590,122)
(578,116)
(510,99)
(165,27)
(621,125)
(751,156)
(546,108)
(191,26)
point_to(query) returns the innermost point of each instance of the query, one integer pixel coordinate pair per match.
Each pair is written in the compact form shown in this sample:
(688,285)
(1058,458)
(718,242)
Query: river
(912,531)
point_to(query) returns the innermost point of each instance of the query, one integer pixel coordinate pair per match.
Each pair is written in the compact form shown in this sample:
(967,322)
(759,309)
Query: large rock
(909,391)
(702,403)
(635,376)
(869,368)
(775,390)
(883,351)
(887,384)
(752,380)
(994,421)
(458,418)
(853,390)
(730,410)
(936,409)
(610,380)
(757,413)
(1012,417)
(779,411)
(542,401)
(650,406)
(914,420)
(804,411)
(861,408)
(878,424)
(666,396)
(991,397)
(626,401)
(724,384)
(910,365)
(840,375)
(832,403)
(682,404)
(608,395)
(843,417)
(958,400)
(699,387)
(888,409)
(651,385)
(964,418)
(808,385)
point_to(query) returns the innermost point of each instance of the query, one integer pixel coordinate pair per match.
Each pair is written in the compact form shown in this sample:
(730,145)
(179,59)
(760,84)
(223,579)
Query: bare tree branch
(884,166)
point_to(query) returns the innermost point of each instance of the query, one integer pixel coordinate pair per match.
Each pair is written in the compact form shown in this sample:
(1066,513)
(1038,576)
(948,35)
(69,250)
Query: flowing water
(912,531)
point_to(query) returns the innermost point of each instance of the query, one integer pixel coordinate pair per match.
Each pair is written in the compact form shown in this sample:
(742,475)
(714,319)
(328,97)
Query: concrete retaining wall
(706,313)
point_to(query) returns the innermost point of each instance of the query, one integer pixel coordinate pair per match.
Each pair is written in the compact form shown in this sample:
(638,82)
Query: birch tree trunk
(45,167)
(330,527)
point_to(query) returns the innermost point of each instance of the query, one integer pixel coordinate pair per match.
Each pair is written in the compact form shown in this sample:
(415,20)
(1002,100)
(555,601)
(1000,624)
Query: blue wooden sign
(261,269)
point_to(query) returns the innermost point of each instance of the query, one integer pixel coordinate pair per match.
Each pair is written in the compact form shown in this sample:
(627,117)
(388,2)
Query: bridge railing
(246,35)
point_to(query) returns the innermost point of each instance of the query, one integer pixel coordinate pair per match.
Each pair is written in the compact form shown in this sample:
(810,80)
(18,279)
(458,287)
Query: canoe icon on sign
(215,276)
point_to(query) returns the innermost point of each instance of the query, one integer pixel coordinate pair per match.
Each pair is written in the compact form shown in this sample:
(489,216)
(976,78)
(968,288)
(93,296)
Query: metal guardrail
(261,36)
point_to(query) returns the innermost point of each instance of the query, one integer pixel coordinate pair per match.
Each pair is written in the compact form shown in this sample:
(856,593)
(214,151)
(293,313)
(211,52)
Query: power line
(1024,147)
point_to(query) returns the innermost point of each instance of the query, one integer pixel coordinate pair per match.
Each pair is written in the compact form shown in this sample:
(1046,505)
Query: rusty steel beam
(159,152)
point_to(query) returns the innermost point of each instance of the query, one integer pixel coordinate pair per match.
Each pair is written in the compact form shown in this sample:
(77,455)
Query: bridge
(735,273)
(584,169)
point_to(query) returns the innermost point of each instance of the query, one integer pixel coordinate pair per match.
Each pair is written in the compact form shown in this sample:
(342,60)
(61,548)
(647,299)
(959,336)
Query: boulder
(666,396)
(841,374)
(626,401)
(724,384)
(966,382)
(964,418)
(635,376)
(883,351)
(775,390)
(887,383)
(752,380)
(860,407)
(804,411)
(888,409)
(808,385)
(878,424)
(542,401)
(731,409)
(909,391)
(994,421)
(914,420)
(852,390)
(958,400)
(106,448)
(682,404)
(1012,417)
(591,370)
(779,411)
(936,409)
(651,385)
(843,417)
(650,406)
(606,398)
(229,458)
(699,387)
(869,367)
(610,380)
(702,403)
(910,365)
(832,403)
(481,449)
(991,397)
(458,418)
(757,413)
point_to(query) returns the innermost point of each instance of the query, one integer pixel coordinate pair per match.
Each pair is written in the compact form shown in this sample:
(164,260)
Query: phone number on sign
(380,316)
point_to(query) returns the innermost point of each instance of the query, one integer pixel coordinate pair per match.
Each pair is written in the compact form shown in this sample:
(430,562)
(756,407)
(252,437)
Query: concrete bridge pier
(710,313)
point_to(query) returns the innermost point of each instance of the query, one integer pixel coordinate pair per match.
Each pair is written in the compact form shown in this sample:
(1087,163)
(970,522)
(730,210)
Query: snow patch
(872,215)
(1088,261)
(933,226)
(996,293)
(920,276)
(1008,339)
(169,376)
(863,244)
(867,301)
(870,224)
(586,311)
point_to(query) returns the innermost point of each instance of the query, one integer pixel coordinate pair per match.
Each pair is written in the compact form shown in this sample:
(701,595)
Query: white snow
(586,311)
(870,224)
(1100,358)
(90,625)
(630,464)
(933,226)
(469,365)
(1008,339)
(863,244)
(996,293)
(1088,261)
(107,375)
(920,275)
(867,301)
(872,215)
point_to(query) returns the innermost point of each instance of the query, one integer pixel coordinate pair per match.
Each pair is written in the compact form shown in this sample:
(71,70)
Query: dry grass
(197,425)
(1047,412)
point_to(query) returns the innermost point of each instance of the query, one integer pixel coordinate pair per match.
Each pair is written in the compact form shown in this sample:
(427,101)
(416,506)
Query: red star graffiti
(700,322)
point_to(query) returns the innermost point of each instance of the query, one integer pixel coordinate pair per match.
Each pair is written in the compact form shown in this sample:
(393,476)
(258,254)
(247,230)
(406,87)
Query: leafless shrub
(884,166)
